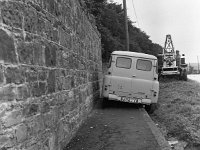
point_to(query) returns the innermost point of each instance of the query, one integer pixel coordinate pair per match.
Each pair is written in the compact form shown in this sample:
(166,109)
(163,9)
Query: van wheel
(105,102)
(151,108)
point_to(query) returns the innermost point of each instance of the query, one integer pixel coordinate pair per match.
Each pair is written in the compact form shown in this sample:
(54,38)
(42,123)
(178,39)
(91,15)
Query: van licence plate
(131,100)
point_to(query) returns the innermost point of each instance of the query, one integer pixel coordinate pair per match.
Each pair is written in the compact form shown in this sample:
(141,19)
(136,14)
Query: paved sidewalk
(124,128)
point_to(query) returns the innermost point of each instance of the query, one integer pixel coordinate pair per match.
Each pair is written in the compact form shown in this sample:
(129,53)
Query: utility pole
(198,63)
(126,25)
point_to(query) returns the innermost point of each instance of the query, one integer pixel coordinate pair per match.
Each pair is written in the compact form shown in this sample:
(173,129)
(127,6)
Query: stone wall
(50,72)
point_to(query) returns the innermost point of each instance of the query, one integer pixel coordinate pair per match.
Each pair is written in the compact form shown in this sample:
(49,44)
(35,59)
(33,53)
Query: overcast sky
(180,18)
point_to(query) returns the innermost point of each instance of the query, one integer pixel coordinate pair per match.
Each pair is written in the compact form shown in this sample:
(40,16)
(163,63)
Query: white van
(132,77)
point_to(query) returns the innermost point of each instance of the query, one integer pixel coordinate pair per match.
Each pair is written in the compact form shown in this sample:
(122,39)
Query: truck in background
(171,62)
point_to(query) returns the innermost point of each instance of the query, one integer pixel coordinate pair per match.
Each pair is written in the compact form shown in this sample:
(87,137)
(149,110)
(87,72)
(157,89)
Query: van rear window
(123,62)
(144,65)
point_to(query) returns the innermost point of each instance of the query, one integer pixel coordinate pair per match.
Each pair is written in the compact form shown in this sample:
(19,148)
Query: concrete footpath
(120,127)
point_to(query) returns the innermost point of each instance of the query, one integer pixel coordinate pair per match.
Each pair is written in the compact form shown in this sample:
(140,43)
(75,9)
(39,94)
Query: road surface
(195,77)
(121,126)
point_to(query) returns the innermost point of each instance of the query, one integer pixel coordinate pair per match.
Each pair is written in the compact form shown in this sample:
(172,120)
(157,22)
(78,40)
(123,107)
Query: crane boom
(169,53)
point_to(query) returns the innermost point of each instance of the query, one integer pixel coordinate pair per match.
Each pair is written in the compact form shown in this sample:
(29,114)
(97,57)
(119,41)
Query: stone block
(71,61)
(29,37)
(21,133)
(13,118)
(38,54)
(63,37)
(55,37)
(65,111)
(31,74)
(23,92)
(14,75)
(25,52)
(4,139)
(73,125)
(59,59)
(50,54)
(66,96)
(57,9)
(42,75)
(72,79)
(8,141)
(40,25)
(48,120)
(80,98)
(49,6)
(53,142)
(38,89)
(30,109)
(1,75)
(36,4)
(7,48)
(59,83)
(36,127)
(51,82)
(8,93)
(30,19)
(34,89)
(3,108)
(73,105)
(12,14)
(48,30)
(67,83)
(42,88)
(61,132)
(44,107)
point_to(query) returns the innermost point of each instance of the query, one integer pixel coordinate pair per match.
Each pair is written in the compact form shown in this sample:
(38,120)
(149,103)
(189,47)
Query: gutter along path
(120,127)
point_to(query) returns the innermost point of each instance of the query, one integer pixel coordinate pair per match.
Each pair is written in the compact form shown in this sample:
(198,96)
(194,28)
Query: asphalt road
(195,77)
(120,126)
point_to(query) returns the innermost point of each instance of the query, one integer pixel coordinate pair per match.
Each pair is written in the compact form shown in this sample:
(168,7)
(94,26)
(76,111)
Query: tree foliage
(110,23)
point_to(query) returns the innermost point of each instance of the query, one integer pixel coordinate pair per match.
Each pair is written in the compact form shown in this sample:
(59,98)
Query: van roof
(133,54)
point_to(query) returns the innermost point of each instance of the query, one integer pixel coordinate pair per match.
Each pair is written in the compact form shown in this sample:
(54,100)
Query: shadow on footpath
(110,104)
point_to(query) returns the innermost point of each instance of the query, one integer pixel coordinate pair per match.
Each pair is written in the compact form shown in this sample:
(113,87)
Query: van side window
(144,65)
(123,62)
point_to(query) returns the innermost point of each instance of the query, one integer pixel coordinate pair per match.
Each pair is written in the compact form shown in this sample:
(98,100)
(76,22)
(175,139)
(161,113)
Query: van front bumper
(132,100)
(170,73)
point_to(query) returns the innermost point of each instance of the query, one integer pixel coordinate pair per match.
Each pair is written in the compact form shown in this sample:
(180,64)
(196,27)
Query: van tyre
(105,102)
(151,108)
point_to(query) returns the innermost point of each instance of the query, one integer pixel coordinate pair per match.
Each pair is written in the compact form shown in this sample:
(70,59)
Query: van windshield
(123,62)
(144,65)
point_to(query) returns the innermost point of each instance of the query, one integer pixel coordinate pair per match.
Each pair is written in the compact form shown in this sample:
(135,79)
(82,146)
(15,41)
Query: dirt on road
(122,126)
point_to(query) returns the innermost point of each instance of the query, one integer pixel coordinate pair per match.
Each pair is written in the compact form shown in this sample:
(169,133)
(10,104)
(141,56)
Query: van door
(121,81)
(142,80)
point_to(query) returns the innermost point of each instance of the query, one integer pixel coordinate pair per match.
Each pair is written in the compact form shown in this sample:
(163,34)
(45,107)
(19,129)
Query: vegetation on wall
(110,23)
